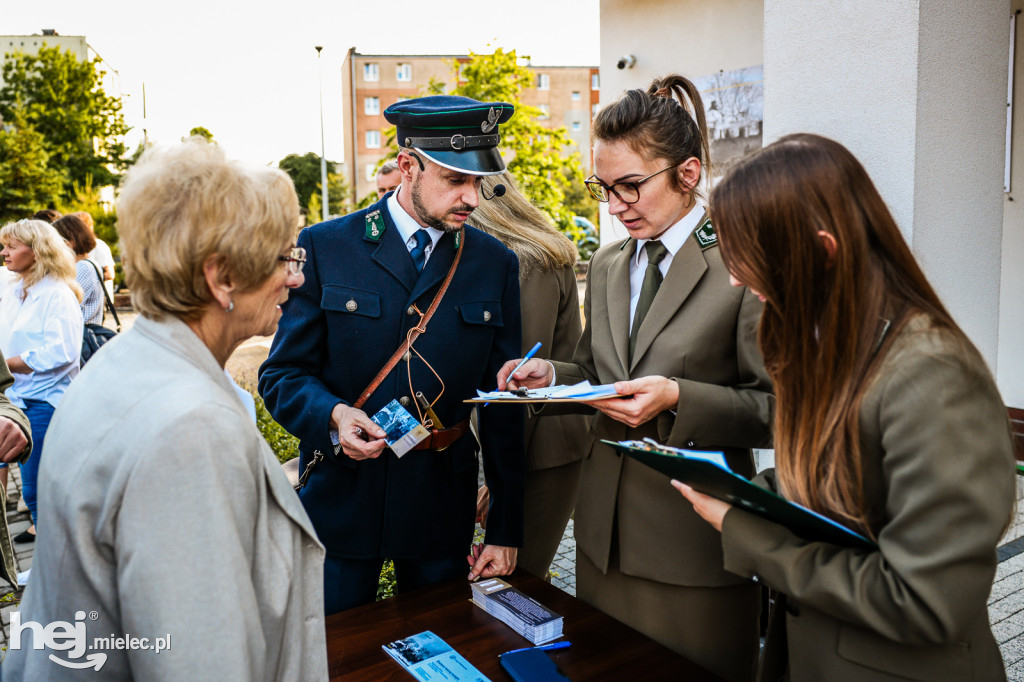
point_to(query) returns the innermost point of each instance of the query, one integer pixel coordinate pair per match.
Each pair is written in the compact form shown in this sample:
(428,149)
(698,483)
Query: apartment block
(567,96)
(30,45)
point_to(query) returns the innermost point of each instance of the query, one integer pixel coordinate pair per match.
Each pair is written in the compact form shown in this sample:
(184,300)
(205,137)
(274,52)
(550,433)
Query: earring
(231,306)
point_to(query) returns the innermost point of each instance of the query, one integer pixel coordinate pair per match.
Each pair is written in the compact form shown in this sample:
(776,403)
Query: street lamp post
(323,153)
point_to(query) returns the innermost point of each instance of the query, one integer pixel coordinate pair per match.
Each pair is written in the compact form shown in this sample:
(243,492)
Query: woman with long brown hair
(887,421)
(550,305)
(663,324)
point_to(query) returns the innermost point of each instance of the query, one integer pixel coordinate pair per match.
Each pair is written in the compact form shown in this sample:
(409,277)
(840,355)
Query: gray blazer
(163,513)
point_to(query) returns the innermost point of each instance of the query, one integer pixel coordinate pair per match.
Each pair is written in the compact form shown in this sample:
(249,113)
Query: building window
(373,139)
(594,109)
(403,73)
(545,112)
(371,106)
(576,96)
(595,81)
(576,126)
(371,73)
(371,172)
(543,81)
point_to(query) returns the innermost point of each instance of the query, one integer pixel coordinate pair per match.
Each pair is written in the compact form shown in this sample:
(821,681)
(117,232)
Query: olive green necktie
(656,252)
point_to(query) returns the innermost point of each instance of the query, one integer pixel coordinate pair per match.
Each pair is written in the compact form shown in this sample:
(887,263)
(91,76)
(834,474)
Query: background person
(388,178)
(15,446)
(40,334)
(80,239)
(369,273)
(692,367)
(177,480)
(550,305)
(888,421)
(100,254)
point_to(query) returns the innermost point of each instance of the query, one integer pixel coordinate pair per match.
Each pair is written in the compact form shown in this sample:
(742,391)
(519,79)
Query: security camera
(626,62)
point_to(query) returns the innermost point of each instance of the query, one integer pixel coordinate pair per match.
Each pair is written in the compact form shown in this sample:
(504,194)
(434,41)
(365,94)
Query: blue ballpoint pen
(533,351)
(544,647)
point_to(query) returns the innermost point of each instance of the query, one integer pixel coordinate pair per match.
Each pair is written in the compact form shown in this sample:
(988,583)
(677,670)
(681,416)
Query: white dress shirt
(407,226)
(45,331)
(673,238)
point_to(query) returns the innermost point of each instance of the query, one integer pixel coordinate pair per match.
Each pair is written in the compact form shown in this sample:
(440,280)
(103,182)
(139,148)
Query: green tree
(64,101)
(538,155)
(27,182)
(305,173)
(200,131)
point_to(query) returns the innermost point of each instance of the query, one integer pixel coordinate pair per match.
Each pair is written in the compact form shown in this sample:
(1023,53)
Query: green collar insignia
(458,239)
(705,234)
(625,243)
(375,226)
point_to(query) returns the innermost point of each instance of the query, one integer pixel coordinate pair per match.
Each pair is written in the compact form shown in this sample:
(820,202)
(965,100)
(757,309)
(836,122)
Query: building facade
(566,95)
(30,45)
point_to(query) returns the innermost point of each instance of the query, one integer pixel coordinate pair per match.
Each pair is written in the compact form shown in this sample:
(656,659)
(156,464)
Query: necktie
(419,252)
(656,252)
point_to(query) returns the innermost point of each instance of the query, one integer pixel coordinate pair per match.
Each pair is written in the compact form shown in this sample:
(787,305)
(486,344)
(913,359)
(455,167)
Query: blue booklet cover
(531,665)
(429,658)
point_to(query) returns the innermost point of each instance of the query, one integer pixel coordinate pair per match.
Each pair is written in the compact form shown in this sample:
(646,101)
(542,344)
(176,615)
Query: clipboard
(694,469)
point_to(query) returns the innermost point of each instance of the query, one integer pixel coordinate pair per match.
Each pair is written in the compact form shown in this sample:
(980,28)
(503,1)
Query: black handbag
(95,335)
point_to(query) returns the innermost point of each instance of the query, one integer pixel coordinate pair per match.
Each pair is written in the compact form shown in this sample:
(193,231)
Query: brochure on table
(430,659)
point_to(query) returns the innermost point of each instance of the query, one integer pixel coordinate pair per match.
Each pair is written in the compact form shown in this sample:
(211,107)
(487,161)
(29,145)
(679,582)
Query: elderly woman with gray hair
(168,519)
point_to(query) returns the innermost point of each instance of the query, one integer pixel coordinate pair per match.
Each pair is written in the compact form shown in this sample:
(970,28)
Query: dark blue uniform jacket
(339,329)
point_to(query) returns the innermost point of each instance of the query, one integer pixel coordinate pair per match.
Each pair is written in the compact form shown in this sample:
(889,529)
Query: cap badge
(492,120)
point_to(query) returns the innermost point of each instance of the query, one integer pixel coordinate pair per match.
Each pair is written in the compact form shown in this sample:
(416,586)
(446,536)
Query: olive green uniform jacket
(939,486)
(555,444)
(7,567)
(702,332)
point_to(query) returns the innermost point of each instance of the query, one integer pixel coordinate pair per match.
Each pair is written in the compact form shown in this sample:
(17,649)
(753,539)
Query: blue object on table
(533,664)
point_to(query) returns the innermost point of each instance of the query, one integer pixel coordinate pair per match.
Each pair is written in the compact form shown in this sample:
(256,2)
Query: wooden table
(602,648)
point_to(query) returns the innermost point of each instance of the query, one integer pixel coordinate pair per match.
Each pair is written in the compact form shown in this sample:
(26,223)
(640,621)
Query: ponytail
(665,122)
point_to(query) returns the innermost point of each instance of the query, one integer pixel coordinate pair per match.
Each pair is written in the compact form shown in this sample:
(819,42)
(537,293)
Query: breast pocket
(481,313)
(351,301)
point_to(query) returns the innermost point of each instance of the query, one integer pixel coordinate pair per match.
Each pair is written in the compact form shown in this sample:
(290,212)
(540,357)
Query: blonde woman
(550,305)
(40,333)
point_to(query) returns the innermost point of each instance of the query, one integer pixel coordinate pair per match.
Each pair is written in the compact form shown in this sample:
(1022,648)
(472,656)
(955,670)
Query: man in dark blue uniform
(370,277)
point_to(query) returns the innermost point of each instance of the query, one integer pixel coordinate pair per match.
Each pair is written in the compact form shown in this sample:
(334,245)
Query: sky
(248,71)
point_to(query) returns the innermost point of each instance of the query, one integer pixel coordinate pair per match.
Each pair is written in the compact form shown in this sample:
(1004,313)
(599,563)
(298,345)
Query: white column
(916,89)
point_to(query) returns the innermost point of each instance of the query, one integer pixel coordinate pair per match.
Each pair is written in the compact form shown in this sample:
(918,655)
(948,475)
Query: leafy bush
(284,444)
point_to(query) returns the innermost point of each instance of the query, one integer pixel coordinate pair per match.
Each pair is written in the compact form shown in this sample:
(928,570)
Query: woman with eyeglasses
(889,422)
(157,476)
(664,325)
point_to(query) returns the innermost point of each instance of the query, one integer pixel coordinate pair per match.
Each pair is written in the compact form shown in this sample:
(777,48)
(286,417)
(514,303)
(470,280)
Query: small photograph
(396,421)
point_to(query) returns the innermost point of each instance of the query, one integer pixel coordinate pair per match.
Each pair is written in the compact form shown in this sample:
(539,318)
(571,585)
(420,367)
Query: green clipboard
(713,480)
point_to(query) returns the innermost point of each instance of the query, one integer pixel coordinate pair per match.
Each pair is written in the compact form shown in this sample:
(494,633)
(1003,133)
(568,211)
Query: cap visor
(470,161)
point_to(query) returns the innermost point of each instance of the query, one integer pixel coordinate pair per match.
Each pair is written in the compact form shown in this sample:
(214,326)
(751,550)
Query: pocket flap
(481,312)
(348,300)
(924,663)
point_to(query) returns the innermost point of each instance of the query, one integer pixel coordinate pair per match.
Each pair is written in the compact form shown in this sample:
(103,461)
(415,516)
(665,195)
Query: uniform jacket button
(487,316)
(690,444)
(351,306)
(404,400)
(410,311)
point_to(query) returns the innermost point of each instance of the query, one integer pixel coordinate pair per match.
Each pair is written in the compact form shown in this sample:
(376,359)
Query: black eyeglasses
(627,192)
(295,259)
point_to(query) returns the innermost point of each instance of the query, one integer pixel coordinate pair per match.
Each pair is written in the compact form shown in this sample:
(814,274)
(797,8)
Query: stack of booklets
(523,614)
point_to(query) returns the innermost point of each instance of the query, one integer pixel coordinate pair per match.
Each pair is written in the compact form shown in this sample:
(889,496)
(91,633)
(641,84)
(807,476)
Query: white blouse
(45,331)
